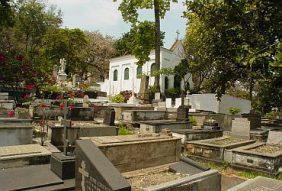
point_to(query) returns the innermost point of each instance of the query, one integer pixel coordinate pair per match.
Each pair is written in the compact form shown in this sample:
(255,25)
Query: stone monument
(62,76)
(143,89)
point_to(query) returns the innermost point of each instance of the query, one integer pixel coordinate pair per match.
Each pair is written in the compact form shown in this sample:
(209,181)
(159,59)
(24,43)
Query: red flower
(11,113)
(71,106)
(19,58)
(62,106)
(59,97)
(2,57)
(30,86)
(26,96)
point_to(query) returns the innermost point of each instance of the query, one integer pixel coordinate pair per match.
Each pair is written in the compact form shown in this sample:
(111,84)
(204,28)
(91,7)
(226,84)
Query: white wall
(209,102)
(205,102)
(228,101)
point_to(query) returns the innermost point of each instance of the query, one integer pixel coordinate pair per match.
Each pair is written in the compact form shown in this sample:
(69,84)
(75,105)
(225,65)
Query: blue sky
(104,16)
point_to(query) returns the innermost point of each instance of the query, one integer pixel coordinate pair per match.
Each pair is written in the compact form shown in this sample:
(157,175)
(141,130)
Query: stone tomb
(81,114)
(156,126)
(259,184)
(265,157)
(219,149)
(79,129)
(142,115)
(5,102)
(196,134)
(95,172)
(23,155)
(121,107)
(15,131)
(132,152)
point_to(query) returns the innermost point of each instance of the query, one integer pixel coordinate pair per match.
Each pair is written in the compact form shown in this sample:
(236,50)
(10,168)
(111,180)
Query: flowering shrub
(119,98)
(11,113)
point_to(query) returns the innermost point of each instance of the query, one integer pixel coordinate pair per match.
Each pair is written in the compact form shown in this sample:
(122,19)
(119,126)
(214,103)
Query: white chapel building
(124,73)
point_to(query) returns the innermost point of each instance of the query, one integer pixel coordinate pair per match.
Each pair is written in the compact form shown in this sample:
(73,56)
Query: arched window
(153,68)
(126,74)
(139,71)
(166,82)
(115,76)
(177,82)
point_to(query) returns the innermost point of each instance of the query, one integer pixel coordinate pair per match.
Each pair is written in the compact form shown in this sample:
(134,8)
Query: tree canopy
(231,41)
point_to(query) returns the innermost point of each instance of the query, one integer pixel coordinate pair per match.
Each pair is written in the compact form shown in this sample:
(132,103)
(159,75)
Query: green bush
(192,120)
(124,131)
(234,110)
(172,92)
(119,98)
(272,115)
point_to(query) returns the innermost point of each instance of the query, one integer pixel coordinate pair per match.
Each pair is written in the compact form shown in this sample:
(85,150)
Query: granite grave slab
(95,172)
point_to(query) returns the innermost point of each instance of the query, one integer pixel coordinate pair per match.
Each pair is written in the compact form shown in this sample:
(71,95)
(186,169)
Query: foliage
(119,98)
(123,130)
(172,92)
(139,41)
(65,43)
(129,10)
(126,94)
(20,44)
(272,115)
(234,110)
(192,121)
(99,49)
(231,41)
(6,13)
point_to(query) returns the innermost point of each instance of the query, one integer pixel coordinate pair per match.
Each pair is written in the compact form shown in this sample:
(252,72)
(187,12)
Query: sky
(104,16)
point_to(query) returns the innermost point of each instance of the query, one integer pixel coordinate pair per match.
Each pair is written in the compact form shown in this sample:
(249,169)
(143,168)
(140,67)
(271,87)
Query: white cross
(84,174)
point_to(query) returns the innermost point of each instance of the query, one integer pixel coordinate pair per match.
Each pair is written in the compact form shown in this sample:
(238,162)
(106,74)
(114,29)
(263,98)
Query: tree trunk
(157,41)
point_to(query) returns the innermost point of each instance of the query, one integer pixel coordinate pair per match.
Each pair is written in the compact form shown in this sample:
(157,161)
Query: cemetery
(124,105)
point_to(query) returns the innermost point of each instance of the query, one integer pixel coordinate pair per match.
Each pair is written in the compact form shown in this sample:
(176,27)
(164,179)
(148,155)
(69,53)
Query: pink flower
(11,113)
(59,97)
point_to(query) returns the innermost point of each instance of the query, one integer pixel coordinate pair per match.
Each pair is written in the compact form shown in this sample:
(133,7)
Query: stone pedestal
(63,166)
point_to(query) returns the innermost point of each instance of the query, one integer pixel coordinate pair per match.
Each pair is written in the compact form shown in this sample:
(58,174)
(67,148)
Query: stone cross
(84,174)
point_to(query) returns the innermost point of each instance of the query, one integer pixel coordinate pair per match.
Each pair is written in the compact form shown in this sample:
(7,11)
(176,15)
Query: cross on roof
(177,34)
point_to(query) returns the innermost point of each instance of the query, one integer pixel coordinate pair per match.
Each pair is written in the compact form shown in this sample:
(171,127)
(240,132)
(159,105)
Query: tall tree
(68,44)
(129,10)
(98,51)
(239,42)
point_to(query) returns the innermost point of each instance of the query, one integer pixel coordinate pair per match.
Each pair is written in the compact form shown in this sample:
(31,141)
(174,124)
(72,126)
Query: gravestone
(168,102)
(182,113)
(109,117)
(177,102)
(241,128)
(259,184)
(143,88)
(157,96)
(4,95)
(95,172)
(63,166)
(81,114)
(274,138)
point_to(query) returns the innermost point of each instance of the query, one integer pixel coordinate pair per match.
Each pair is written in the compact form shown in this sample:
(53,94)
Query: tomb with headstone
(264,157)
(259,184)
(156,126)
(219,149)
(120,163)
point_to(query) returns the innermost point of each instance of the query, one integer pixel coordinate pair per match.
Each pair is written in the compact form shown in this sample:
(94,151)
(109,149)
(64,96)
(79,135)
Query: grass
(123,130)
(226,169)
